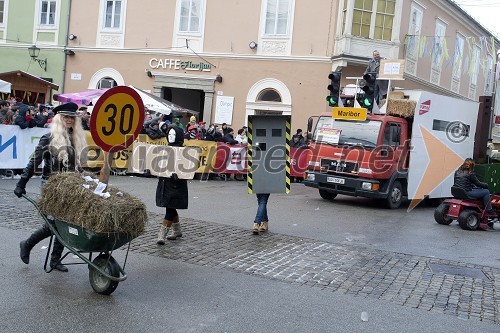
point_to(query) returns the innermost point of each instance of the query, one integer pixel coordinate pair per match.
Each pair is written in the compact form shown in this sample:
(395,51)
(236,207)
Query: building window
(47,13)
(489,77)
(106,82)
(2,11)
(414,30)
(113,12)
(384,18)
(190,17)
(477,59)
(269,95)
(437,45)
(373,19)
(458,56)
(344,16)
(277,17)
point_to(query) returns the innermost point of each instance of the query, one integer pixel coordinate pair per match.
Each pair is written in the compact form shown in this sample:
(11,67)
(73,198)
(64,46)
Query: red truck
(385,157)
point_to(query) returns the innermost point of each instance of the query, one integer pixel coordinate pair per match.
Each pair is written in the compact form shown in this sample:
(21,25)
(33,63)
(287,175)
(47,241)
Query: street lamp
(34,52)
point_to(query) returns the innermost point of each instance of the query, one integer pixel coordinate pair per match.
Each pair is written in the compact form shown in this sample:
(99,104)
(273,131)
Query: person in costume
(61,150)
(171,193)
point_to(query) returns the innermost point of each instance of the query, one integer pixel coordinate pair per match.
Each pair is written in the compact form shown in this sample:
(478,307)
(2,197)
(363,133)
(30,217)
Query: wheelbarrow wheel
(100,283)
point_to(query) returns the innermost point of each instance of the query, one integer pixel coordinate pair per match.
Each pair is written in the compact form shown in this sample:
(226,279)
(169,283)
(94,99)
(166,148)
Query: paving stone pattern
(397,278)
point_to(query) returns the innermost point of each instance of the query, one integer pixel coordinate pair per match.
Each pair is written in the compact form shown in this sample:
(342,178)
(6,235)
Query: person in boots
(60,150)
(172,193)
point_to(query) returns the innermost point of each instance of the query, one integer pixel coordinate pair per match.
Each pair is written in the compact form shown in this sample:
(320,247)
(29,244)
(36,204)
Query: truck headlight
(366,186)
(370,186)
(310,177)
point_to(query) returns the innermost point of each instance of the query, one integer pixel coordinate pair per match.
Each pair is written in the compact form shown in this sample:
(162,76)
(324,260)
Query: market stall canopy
(158,104)
(5,86)
(29,88)
(22,78)
(151,102)
(85,97)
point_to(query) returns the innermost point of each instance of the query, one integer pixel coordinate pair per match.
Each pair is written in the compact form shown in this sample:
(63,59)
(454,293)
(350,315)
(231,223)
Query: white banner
(224,110)
(17,145)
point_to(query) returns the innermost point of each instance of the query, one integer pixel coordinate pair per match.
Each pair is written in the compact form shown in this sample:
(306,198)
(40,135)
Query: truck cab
(367,158)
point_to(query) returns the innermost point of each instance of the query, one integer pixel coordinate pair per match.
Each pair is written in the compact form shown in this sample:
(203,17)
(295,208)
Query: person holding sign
(171,193)
(61,150)
(382,85)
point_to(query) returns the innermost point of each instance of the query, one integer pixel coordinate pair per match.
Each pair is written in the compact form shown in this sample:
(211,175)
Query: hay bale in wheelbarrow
(65,197)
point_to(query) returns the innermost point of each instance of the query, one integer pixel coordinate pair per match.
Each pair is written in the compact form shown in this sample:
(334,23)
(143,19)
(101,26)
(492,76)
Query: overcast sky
(485,12)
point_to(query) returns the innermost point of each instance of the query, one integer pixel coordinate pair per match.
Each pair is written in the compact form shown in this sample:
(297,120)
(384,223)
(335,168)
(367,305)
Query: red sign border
(97,108)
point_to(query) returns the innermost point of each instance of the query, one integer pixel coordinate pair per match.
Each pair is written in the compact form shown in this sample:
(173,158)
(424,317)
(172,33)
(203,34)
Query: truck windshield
(345,132)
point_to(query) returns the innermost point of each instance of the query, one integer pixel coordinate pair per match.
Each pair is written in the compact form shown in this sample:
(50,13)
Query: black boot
(55,256)
(28,244)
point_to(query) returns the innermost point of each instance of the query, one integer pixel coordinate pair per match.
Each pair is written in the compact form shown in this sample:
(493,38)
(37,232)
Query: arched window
(269,95)
(107,82)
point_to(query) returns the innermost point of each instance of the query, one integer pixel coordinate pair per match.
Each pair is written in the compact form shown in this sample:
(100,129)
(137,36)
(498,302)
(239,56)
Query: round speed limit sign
(117,118)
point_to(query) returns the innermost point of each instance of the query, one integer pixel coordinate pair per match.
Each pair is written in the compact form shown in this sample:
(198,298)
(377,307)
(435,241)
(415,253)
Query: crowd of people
(14,112)
(156,128)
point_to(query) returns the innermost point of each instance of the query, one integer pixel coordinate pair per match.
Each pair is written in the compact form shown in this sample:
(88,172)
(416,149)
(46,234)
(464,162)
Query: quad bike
(470,213)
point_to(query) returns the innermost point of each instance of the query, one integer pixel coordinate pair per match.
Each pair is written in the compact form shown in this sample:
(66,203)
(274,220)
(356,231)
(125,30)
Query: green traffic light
(366,102)
(331,101)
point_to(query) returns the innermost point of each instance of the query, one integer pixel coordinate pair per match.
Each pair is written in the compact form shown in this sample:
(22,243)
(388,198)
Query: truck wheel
(327,195)
(395,197)
(468,219)
(441,214)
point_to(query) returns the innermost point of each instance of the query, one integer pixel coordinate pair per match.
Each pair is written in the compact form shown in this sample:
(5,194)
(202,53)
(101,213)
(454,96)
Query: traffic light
(368,99)
(334,88)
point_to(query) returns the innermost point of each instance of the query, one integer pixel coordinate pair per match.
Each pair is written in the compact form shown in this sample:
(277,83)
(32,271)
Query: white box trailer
(442,135)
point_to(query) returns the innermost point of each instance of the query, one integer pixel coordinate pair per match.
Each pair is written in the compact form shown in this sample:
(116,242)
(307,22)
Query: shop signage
(178,64)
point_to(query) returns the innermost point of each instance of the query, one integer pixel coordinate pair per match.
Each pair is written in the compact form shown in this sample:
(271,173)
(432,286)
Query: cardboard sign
(163,161)
(391,69)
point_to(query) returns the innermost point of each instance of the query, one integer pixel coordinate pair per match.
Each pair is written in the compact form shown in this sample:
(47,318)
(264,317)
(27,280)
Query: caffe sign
(178,64)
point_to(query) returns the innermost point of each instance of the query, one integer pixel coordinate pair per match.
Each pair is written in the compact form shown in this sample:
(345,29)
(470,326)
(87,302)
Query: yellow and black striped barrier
(288,139)
(249,157)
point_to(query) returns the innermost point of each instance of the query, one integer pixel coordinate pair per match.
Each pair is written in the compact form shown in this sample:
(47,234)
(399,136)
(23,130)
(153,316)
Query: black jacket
(21,120)
(50,163)
(173,192)
(229,139)
(41,120)
(154,133)
(465,181)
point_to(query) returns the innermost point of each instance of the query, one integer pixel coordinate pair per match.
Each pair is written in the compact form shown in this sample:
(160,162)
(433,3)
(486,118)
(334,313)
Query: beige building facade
(229,59)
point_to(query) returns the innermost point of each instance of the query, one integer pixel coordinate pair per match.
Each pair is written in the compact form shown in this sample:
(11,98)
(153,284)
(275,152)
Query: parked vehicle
(385,156)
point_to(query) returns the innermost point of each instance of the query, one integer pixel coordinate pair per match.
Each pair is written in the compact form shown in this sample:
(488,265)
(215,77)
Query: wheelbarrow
(104,272)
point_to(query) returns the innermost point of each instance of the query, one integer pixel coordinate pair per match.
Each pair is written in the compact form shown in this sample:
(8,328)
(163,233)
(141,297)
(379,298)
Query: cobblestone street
(430,284)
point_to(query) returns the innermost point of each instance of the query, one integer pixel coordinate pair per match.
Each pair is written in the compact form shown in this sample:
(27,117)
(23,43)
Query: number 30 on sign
(117,118)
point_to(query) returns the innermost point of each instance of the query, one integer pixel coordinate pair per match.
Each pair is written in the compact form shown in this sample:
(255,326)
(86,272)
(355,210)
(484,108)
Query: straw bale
(401,107)
(64,197)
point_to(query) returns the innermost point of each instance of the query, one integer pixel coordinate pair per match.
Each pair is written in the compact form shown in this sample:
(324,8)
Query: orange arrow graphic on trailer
(442,162)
